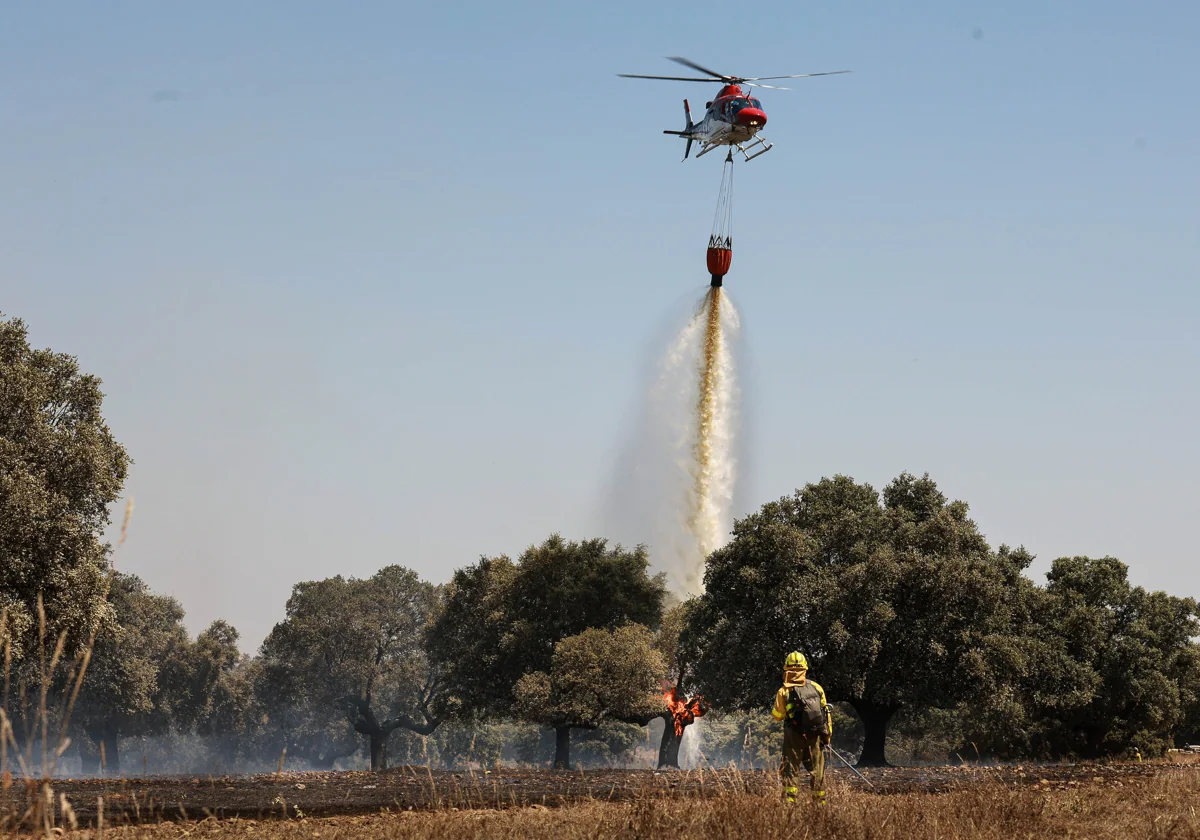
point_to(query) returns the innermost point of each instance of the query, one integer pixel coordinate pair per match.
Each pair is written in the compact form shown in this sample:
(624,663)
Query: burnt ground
(141,800)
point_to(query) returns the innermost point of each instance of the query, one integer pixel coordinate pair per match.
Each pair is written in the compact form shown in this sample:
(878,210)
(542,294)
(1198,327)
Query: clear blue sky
(378,282)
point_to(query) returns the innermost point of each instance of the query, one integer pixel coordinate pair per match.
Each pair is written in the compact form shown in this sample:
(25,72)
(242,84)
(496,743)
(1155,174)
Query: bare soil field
(1142,800)
(1157,809)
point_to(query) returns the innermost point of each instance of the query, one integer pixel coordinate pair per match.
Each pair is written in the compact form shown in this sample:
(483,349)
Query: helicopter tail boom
(687,131)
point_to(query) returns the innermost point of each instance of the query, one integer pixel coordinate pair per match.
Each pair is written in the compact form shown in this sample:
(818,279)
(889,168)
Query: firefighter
(807,727)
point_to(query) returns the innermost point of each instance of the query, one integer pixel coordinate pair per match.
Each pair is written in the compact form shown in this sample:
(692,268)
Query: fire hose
(851,767)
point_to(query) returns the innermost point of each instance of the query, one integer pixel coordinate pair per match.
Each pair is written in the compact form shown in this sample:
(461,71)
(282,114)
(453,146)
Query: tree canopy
(896,601)
(147,677)
(594,676)
(128,688)
(1138,646)
(503,619)
(350,653)
(61,469)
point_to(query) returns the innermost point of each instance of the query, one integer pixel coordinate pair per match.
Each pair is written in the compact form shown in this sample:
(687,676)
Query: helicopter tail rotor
(687,113)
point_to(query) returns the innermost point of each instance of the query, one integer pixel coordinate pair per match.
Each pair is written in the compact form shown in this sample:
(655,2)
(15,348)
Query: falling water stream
(696,401)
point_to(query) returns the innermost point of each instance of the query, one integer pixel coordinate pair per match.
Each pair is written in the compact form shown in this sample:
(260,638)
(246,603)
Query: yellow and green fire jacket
(796,677)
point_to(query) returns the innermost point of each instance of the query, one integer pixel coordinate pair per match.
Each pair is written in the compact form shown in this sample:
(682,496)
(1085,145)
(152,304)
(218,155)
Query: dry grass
(1159,806)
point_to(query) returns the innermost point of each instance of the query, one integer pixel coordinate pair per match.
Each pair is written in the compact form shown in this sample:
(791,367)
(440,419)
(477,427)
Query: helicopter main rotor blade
(799,76)
(668,78)
(749,81)
(686,63)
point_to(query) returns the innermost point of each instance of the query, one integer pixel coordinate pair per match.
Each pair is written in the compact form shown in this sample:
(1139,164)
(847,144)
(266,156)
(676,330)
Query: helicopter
(734,118)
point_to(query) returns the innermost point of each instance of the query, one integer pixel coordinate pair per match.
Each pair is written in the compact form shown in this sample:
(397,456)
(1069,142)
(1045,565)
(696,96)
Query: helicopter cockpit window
(754,103)
(734,106)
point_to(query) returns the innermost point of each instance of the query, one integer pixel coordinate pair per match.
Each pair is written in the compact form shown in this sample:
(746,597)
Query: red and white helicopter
(734,118)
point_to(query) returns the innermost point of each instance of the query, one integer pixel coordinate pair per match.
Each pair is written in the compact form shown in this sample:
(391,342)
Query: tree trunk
(668,747)
(112,755)
(89,757)
(365,723)
(107,755)
(378,750)
(562,748)
(875,722)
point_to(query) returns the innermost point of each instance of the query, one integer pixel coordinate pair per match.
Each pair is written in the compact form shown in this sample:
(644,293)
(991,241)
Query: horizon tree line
(907,615)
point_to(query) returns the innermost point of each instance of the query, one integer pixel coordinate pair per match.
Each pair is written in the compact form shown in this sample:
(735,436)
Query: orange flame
(683,711)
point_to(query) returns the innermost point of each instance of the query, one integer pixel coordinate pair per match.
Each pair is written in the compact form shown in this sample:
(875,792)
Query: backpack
(804,709)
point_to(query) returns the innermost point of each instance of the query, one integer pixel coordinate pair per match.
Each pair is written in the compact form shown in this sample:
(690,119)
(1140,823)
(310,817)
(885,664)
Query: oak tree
(349,654)
(135,676)
(503,618)
(61,469)
(594,676)
(1141,648)
(895,598)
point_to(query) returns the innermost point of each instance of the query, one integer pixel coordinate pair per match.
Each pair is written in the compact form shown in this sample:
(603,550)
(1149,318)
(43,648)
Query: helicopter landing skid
(757,141)
(744,148)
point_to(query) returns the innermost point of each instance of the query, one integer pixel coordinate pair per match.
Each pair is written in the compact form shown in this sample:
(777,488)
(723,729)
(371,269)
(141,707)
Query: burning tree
(677,710)
(681,713)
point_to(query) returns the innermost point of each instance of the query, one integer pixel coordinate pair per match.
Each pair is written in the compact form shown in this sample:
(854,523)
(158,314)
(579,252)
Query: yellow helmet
(796,659)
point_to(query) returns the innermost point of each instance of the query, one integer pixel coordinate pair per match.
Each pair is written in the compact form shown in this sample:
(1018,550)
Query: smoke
(675,485)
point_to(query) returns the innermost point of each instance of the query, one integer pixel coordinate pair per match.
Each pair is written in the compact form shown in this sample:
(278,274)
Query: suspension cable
(722,230)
